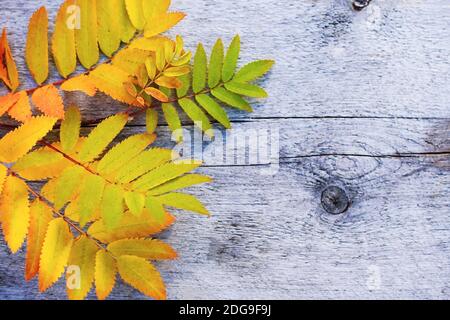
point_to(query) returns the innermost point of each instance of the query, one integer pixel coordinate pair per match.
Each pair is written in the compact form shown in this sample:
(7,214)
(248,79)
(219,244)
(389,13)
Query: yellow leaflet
(123,20)
(63,41)
(110,80)
(136,13)
(142,275)
(37,46)
(154,8)
(15,212)
(55,253)
(82,255)
(86,34)
(48,100)
(135,202)
(91,194)
(112,206)
(40,164)
(130,227)
(130,59)
(3,173)
(184,202)
(101,136)
(179,183)
(150,44)
(105,274)
(149,249)
(81,83)
(40,217)
(124,152)
(17,143)
(109,30)
(70,129)
(161,23)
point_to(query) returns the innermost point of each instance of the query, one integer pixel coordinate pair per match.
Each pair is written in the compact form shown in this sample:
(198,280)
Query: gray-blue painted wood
(361,101)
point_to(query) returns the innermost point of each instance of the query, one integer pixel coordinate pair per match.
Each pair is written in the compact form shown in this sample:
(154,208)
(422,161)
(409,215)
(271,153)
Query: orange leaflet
(8,68)
(48,100)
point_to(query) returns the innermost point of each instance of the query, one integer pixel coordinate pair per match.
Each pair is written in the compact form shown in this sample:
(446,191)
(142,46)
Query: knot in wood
(358,5)
(334,200)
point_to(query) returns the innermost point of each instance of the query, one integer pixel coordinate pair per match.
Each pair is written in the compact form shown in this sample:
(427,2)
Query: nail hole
(334,200)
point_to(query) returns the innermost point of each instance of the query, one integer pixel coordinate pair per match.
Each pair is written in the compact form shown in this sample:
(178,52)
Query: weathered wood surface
(361,101)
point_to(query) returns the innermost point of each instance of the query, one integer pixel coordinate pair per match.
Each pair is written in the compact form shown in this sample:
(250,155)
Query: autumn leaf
(8,69)
(81,83)
(21,110)
(55,253)
(48,100)
(37,46)
(17,143)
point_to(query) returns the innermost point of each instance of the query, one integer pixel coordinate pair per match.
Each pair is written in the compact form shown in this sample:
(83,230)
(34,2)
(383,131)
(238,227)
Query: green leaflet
(173,120)
(253,71)
(196,114)
(156,208)
(109,30)
(216,64)
(90,197)
(231,59)
(67,185)
(184,202)
(231,99)
(151,120)
(246,89)
(86,36)
(112,205)
(124,152)
(135,202)
(200,69)
(101,137)
(214,109)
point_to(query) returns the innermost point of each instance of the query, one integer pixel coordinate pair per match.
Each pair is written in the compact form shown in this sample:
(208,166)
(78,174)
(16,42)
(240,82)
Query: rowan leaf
(40,164)
(180,183)
(105,274)
(109,31)
(48,100)
(168,82)
(184,202)
(90,197)
(70,129)
(155,208)
(253,71)
(3,174)
(15,212)
(37,46)
(55,253)
(214,109)
(124,152)
(122,18)
(173,120)
(40,217)
(67,185)
(21,110)
(231,99)
(101,136)
(17,143)
(135,202)
(63,41)
(136,13)
(231,59)
(81,83)
(150,249)
(197,115)
(110,80)
(157,94)
(86,36)
(216,64)
(162,174)
(8,68)
(200,69)
(82,255)
(151,120)
(161,23)
(7,102)
(130,59)
(141,275)
(112,205)
(130,226)
(246,89)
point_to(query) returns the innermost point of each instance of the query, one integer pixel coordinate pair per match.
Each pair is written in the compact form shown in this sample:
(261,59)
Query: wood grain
(360,101)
